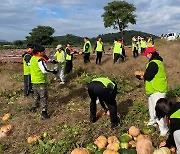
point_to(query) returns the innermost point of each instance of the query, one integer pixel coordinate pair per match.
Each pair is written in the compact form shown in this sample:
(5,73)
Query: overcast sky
(82,17)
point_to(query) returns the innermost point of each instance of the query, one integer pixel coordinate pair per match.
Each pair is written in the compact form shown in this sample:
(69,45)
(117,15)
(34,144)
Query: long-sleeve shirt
(43,67)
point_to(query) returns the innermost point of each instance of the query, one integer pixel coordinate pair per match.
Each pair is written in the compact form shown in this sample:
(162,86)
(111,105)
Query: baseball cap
(149,50)
(58,46)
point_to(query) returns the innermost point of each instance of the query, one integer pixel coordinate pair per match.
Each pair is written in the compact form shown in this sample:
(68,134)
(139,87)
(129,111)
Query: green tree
(119,14)
(41,35)
(18,43)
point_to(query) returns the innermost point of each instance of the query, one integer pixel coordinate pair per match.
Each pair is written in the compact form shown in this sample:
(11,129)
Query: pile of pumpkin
(132,142)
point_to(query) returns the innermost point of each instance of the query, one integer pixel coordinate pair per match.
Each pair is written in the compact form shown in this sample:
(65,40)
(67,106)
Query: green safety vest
(37,76)
(99,46)
(143,44)
(104,81)
(59,57)
(134,45)
(175,114)
(26,67)
(68,57)
(90,47)
(159,82)
(117,47)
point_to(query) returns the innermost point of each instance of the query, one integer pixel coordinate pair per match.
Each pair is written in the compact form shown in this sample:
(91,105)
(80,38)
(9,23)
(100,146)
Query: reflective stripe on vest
(104,81)
(159,82)
(60,56)
(175,114)
(117,47)
(99,46)
(37,76)
(90,47)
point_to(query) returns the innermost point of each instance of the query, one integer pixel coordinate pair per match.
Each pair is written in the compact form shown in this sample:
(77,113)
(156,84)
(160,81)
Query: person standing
(69,58)
(135,47)
(155,86)
(60,59)
(26,66)
(105,90)
(117,50)
(171,111)
(38,69)
(143,45)
(87,48)
(99,49)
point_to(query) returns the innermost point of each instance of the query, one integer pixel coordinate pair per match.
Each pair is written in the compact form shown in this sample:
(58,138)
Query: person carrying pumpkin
(155,86)
(38,69)
(164,108)
(105,90)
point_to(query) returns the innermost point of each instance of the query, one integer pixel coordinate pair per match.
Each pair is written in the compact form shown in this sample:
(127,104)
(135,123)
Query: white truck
(170,36)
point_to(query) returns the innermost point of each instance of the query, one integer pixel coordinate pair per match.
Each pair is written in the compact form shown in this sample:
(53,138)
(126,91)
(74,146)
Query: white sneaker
(62,82)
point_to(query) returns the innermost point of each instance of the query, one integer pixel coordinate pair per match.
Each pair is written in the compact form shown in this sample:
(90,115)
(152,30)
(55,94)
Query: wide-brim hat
(59,47)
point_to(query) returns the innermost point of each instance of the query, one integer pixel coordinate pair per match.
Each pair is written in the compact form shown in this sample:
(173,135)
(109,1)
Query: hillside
(69,125)
(107,38)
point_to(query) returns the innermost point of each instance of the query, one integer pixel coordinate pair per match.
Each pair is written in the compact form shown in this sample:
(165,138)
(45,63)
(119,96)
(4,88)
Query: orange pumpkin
(110,152)
(101,142)
(33,139)
(113,146)
(112,139)
(162,150)
(7,128)
(144,146)
(80,151)
(6,117)
(134,131)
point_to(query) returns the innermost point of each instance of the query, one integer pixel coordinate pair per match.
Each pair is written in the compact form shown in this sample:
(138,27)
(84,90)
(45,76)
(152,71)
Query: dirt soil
(69,103)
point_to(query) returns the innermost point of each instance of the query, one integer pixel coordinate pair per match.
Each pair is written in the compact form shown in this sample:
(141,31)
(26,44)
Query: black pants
(123,52)
(116,57)
(98,57)
(27,85)
(86,57)
(142,50)
(135,52)
(69,66)
(97,90)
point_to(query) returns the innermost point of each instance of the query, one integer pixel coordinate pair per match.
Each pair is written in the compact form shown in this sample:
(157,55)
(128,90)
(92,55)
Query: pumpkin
(101,142)
(113,146)
(128,151)
(100,151)
(139,73)
(33,139)
(134,131)
(125,138)
(6,117)
(124,145)
(7,128)
(110,152)
(91,147)
(132,144)
(112,139)
(80,52)
(162,150)
(144,146)
(80,151)
(148,130)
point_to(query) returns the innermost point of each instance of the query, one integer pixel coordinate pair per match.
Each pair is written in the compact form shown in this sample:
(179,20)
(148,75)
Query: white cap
(58,46)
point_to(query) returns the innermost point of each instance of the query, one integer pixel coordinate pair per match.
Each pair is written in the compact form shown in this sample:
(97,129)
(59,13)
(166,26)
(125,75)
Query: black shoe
(114,125)
(44,115)
(33,109)
(92,120)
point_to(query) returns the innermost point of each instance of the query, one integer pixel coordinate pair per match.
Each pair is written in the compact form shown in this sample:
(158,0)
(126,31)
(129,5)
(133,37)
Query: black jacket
(152,68)
(174,125)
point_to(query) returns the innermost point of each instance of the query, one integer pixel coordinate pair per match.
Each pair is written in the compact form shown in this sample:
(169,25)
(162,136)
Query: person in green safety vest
(155,86)
(105,90)
(69,58)
(99,48)
(134,47)
(60,65)
(38,69)
(87,48)
(143,45)
(117,50)
(26,66)
(171,111)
